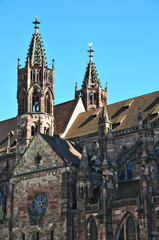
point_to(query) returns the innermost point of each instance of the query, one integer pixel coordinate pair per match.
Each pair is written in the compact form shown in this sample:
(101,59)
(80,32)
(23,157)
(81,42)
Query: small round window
(40,204)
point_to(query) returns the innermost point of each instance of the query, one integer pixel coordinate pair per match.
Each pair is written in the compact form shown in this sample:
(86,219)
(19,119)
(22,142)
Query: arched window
(130,229)
(82,192)
(51,235)
(130,170)
(86,191)
(23,236)
(47,103)
(37,236)
(121,236)
(32,131)
(31,77)
(36,102)
(93,231)
(34,76)
(37,76)
(91,96)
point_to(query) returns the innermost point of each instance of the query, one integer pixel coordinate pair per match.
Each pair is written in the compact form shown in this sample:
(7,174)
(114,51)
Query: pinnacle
(36,51)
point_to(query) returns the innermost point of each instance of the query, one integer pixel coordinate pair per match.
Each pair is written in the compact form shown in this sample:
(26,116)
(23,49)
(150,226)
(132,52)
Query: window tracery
(36,102)
(47,103)
(93,231)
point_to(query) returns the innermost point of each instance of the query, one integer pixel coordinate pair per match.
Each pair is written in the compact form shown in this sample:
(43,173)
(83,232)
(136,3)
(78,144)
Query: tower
(35,94)
(92,94)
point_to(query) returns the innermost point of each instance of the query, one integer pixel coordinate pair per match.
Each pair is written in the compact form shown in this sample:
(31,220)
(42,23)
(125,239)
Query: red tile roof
(5,127)
(62,113)
(123,115)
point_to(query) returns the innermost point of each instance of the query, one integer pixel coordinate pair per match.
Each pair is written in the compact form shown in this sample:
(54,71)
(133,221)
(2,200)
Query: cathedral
(79,170)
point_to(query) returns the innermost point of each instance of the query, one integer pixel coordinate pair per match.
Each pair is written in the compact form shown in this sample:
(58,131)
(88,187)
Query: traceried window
(23,236)
(51,235)
(121,237)
(130,229)
(127,172)
(93,231)
(91,96)
(47,103)
(36,102)
(128,226)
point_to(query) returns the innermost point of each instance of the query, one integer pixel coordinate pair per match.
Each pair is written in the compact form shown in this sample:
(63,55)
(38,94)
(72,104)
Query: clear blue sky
(125,36)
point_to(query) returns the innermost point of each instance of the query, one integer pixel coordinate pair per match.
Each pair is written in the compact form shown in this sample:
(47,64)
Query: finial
(90,51)
(76,88)
(53,64)
(18,63)
(8,147)
(36,25)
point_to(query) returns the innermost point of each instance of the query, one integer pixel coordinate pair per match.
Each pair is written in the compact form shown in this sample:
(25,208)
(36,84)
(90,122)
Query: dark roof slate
(68,151)
(129,189)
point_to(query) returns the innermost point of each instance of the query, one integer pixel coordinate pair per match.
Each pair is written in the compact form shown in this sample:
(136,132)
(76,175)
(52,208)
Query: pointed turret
(84,177)
(92,94)
(36,51)
(104,124)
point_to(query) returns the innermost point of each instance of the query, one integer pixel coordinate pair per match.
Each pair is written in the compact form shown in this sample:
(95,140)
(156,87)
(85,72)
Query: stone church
(82,169)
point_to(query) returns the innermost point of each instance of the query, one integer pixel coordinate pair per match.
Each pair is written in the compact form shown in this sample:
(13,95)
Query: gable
(38,156)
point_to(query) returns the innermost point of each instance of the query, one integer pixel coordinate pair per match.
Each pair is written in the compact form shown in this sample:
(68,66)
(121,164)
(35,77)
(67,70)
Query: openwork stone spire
(91,79)
(36,51)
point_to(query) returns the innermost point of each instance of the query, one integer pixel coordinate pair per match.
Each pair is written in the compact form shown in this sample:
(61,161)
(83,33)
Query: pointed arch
(48,100)
(92,228)
(129,225)
(35,95)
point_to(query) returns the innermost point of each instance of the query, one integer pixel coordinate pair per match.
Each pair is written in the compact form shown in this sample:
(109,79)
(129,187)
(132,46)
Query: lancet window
(47,103)
(129,228)
(33,130)
(36,102)
(93,231)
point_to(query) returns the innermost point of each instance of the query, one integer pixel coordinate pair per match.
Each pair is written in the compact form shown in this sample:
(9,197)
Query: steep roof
(62,113)
(68,151)
(7,126)
(123,115)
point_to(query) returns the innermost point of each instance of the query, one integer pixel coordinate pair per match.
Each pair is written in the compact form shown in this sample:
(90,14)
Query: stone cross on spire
(36,25)
(90,51)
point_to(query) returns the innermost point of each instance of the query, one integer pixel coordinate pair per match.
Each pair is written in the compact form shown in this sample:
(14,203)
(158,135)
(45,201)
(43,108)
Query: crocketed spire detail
(36,51)
(91,79)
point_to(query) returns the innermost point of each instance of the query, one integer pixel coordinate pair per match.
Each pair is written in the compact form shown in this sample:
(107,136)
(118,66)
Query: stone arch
(35,98)
(124,228)
(48,101)
(92,228)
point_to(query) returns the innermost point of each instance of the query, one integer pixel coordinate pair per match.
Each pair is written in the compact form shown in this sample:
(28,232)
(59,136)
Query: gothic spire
(104,118)
(36,51)
(91,79)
